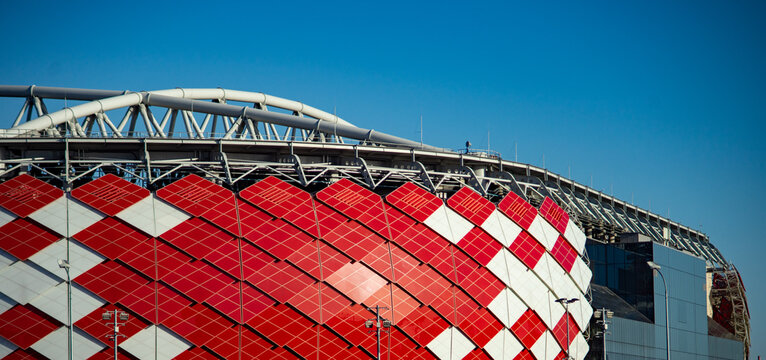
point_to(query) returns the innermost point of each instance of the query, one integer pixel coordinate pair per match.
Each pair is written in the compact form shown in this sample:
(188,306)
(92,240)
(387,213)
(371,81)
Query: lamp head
(653,266)
(63,264)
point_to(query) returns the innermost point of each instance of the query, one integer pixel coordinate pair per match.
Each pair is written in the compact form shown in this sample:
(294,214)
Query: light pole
(65,265)
(604,314)
(377,323)
(656,269)
(566,303)
(107,316)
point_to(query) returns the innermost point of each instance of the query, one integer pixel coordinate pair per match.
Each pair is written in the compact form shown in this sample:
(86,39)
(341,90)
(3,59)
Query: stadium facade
(242,225)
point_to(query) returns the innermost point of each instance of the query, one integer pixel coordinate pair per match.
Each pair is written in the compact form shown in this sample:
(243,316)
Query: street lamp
(378,322)
(64,264)
(656,269)
(115,315)
(566,303)
(603,314)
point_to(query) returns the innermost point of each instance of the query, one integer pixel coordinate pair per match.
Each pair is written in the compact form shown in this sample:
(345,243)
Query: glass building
(624,284)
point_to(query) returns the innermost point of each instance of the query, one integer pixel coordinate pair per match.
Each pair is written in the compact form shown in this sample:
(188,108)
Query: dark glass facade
(622,268)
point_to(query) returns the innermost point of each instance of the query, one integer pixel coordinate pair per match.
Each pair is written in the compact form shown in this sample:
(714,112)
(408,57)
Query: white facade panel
(6,216)
(23,282)
(507,307)
(451,344)
(498,266)
(6,259)
(6,303)
(81,258)
(54,345)
(169,345)
(501,228)
(579,347)
(449,224)
(441,345)
(503,346)
(575,236)
(581,274)
(544,232)
(54,216)
(142,215)
(54,302)
(546,347)
(6,347)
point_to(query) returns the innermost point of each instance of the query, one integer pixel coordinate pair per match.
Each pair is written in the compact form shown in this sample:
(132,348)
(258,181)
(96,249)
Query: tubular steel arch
(256,122)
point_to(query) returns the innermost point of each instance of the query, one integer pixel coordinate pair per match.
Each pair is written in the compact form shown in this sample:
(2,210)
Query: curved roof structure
(231,115)
(235,138)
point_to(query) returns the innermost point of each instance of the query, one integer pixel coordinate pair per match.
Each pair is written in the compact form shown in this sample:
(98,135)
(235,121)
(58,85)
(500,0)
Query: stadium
(224,224)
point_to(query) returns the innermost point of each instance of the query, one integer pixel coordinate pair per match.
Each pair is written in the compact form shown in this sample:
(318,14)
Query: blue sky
(660,102)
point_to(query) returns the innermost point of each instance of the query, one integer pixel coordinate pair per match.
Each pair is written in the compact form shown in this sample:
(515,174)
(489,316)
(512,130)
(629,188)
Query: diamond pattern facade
(273,271)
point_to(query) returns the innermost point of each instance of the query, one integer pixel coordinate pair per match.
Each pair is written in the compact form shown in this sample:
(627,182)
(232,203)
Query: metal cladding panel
(504,346)
(6,259)
(520,211)
(546,347)
(575,236)
(277,272)
(555,215)
(141,345)
(23,325)
(544,232)
(152,215)
(110,194)
(6,348)
(22,238)
(6,217)
(54,345)
(448,224)
(450,344)
(507,307)
(471,205)
(24,195)
(579,348)
(54,302)
(23,282)
(81,258)
(6,303)
(501,228)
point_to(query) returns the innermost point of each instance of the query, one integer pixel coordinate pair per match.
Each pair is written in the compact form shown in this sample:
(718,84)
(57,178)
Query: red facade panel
(528,328)
(24,195)
(527,249)
(23,325)
(357,203)
(520,211)
(283,201)
(22,238)
(554,214)
(110,194)
(114,239)
(564,253)
(414,201)
(276,272)
(471,205)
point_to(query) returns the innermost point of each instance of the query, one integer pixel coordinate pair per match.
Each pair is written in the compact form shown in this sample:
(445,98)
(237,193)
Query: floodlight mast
(566,302)
(369,323)
(114,315)
(656,269)
(64,264)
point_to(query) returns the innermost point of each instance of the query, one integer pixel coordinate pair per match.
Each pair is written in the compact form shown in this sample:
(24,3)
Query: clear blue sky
(663,102)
